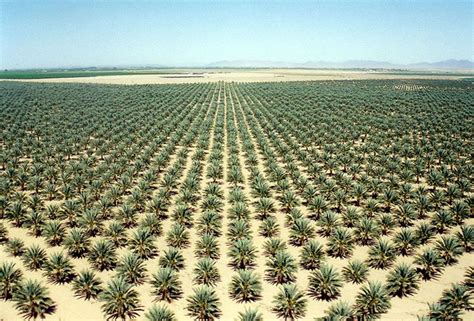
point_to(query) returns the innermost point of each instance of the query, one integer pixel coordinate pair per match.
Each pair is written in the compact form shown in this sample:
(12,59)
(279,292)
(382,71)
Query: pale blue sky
(105,33)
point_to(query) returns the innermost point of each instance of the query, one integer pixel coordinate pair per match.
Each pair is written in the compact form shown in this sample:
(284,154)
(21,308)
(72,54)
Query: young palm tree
(207,246)
(173,259)
(311,255)
(449,249)
(54,232)
(465,237)
(340,243)
(325,283)
(183,214)
(405,214)
(339,311)
(372,301)
(166,285)
(290,303)
(204,304)
(386,223)
(269,227)
(245,286)
(15,247)
(206,272)
(32,300)
(381,255)
(210,222)
(405,241)
(142,243)
(77,243)
(301,232)
(430,264)
(317,206)
(457,297)
(271,246)
(102,255)
(242,254)
(264,207)
(355,272)
(3,234)
(281,268)
(160,313)
(327,223)
(132,269)
(34,257)
(116,233)
(86,285)
(120,300)
(250,315)
(152,223)
(424,233)
(442,220)
(366,230)
(59,269)
(402,281)
(10,278)
(178,236)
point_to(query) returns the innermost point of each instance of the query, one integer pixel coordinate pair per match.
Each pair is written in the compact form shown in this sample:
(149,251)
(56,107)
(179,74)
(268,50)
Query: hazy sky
(104,33)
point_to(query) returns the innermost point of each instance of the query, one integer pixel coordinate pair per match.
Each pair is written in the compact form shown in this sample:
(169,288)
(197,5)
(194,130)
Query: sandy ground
(257,75)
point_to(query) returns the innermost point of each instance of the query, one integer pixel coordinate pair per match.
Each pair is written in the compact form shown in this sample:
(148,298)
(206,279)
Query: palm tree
(442,312)
(116,233)
(269,227)
(442,220)
(317,206)
(86,285)
(325,283)
(405,214)
(207,246)
(366,230)
(372,301)
(173,259)
(457,297)
(142,243)
(178,236)
(160,313)
(339,311)
(340,243)
(449,249)
(32,300)
(355,272)
(204,304)
(381,255)
(430,264)
(242,254)
(245,286)
(91,221)
(301,232)
(265,207)
(206,272)
(15,246)
(424,232)
(3,234)
(59,269)
(250,315)
(10,278)
(132,269)
(120,300)
(210,222)
(328,222)
(271,246)
(102,255)
(77,243)
(311,255)
(460,211)
(289,303)
(402,281)
(405,241)
(465,237)
(386,223)
(166,285)
(53,231)
(152,223)
(34,257)
(281,268)
(183,214)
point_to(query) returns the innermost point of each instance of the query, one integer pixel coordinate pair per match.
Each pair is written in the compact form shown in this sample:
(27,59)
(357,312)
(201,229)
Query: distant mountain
(360,64)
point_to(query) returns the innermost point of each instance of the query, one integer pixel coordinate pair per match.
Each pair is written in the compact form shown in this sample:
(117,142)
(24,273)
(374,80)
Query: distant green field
(37,74)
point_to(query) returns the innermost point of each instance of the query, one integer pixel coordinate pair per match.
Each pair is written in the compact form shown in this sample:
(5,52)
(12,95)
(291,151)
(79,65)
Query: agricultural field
(308,200)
